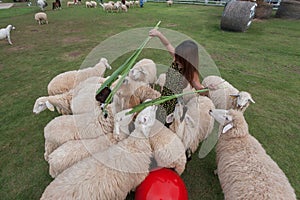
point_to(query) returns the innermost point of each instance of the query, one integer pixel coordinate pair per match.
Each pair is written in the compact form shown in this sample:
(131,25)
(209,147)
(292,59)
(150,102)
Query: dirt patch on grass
(20,48)
(70,56)
(70,40)
(171,25)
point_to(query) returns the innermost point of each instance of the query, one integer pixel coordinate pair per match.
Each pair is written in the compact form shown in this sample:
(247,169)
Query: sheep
(144,70)
(110,174)
(124,8)
(169,3)
(107,6)
(5,33)
(42,4)
(225,96)
(41,17)
(62,103)
(73,151)
(69,3)
(76,101)
(192,122)
(74,127)
(68,80)
(168,149)
(94,4)
(244,168)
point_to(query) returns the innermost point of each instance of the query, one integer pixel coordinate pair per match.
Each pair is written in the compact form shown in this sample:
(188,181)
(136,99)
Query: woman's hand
(154,33)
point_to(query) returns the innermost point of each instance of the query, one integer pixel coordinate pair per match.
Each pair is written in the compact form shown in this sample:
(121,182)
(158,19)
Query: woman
(182,71)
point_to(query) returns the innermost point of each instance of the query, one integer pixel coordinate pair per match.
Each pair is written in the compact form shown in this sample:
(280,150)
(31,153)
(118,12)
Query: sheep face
(231,120)
(146,119)
(42,104)
(121,124)
(137,74)
(243,100)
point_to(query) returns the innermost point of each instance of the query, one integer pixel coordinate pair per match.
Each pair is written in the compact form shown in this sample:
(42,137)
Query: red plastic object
(162,184)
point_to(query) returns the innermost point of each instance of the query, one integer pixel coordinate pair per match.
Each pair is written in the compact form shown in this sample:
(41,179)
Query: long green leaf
(127,64)
(160,100)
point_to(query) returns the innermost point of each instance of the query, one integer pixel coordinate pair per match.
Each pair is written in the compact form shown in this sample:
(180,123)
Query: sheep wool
(192,122)
(144,70)
(74,127)
(245,170)
(168,150)
(110,174)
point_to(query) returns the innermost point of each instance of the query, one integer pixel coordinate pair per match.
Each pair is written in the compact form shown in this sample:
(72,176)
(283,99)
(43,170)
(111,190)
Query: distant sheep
(107,7)
(169,2)
(68,80)
(110,174)
(41,18)
(245,170)
(42,4)
(5,33)
(224,95)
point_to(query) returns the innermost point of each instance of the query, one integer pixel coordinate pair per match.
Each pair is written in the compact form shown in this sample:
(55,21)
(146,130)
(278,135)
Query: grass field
(265,61)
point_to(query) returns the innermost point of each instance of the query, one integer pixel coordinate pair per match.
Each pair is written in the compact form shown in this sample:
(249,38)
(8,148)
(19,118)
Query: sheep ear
(170,118)
(49,106)
(227,128)
(250,99)
(234,95)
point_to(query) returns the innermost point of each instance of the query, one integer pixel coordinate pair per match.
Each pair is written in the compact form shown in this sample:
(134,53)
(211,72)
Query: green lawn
(265,61)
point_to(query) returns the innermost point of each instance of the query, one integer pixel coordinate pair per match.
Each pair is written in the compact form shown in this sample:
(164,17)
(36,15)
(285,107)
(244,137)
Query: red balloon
(162,184)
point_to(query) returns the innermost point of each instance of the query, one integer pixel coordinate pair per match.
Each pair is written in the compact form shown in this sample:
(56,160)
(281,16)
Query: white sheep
(74,127)
(169,3)
(94,4)
(144,70)
(124,8)
(141,94)
(68,80)
(110,174)
(168,149)
(41,17)
(79,100)
(192,122)
(107,6)
(5,33)
(62,102)
(42,4)
(245,170)
(69,3)
(224,95)
(73,151)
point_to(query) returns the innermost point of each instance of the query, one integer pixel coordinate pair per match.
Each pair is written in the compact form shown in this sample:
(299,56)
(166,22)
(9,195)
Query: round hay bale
(237,15)
(289,9)
(263,11)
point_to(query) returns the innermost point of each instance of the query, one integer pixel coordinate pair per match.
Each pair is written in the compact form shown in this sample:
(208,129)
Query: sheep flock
(97,155)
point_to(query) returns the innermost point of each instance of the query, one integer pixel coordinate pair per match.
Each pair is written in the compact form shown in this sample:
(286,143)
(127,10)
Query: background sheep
(245,170)
(169,3)
(110,174)
(107,6)
(41,17)
(192,122)
(144,70)
(74,127)
(70,79)
(5,33)
(141,94)
(224,95)
(73,151)
(42,4)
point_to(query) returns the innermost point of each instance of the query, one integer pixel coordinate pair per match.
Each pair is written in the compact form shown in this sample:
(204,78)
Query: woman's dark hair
(186,54)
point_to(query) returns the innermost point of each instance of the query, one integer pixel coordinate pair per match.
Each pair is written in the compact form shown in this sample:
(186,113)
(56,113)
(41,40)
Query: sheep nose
(210,111)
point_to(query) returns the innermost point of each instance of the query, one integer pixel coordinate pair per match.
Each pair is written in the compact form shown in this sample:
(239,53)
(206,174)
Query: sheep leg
(8,38)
